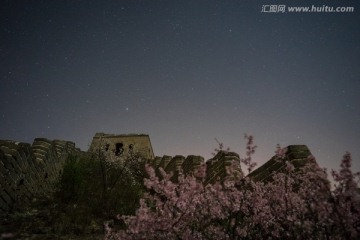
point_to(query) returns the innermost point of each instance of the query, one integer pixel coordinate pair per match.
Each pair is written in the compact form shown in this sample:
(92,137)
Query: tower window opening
(107,147)
(119,149)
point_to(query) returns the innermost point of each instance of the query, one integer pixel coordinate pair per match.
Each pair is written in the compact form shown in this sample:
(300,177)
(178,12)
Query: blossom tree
(298,203)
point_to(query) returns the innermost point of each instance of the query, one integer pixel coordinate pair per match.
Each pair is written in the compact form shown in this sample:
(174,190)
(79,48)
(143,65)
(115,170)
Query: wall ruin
(123,144)
(28,171)
(298,155)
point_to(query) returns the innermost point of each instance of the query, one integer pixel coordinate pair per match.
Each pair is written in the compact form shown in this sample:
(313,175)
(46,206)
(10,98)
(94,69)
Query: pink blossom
(296,204)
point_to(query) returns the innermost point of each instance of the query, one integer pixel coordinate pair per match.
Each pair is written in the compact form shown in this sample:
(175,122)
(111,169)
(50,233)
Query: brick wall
(296,154)
(28,171)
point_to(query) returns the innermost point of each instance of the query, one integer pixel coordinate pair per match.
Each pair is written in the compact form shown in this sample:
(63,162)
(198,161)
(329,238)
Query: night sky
(184,72)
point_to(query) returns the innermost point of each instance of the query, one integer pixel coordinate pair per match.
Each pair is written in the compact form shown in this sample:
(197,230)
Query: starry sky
(185,72)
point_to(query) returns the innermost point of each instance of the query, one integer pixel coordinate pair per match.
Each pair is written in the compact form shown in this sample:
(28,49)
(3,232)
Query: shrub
(95,187)
(296,204)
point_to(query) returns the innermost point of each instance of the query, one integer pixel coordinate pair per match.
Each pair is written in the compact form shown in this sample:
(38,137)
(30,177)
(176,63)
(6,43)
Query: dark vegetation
(103,192)
(91,191)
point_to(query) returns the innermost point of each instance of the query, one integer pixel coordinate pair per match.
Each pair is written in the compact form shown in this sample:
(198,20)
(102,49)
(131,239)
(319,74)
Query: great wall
(30,171)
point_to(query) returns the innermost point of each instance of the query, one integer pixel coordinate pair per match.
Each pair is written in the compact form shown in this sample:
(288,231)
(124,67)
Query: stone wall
(176,164)
(217,167)
(298,155)
(123,144)
(28,171)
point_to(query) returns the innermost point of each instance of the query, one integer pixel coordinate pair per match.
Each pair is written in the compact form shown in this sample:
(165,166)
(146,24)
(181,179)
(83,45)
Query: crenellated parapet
(165,160)
(298,155)
(123,145)
(217,167)
(16,159)
(28,171)
(176,164)
(191,163)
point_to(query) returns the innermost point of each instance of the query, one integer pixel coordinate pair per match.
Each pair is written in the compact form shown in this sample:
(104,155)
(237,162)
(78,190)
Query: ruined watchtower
(123,144)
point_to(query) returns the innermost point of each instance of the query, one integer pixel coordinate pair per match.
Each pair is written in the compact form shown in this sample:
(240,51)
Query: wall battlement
(29,171)
(216,167)
(123,144)
(298,155)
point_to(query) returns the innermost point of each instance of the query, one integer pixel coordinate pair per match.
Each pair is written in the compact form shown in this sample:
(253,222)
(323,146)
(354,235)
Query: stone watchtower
(123,144)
